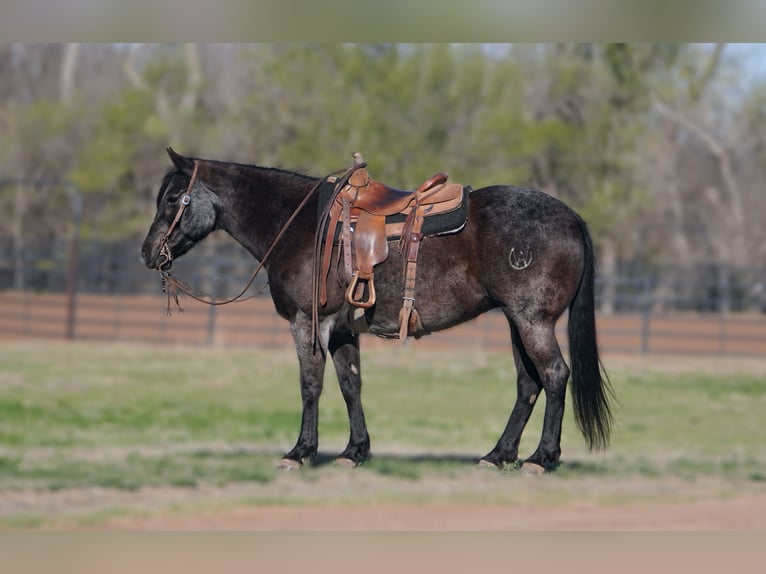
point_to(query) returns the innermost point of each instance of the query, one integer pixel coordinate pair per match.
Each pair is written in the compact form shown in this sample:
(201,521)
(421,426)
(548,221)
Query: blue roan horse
(520,250)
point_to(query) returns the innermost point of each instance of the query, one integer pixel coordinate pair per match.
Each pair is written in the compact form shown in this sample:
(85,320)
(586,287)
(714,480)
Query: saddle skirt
(363,216)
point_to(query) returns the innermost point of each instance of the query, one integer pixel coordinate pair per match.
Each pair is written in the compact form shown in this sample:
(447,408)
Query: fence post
(724,304)
(212,269)
(75,202)
(211,325)
(646,314)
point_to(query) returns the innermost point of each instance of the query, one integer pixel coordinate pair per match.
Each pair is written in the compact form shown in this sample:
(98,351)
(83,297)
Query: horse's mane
(174,173)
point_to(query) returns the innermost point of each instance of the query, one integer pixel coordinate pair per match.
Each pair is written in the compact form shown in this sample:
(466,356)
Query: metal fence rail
(142,318)
(705,310)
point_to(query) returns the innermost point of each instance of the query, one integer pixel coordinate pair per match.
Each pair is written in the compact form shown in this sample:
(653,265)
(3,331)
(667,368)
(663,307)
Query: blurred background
(660,147)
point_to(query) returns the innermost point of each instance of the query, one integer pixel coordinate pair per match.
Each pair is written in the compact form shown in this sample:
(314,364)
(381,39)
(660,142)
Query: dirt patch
(744,513)
(329,498)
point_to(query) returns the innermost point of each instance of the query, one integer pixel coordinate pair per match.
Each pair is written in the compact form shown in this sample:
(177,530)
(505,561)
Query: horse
(521,251)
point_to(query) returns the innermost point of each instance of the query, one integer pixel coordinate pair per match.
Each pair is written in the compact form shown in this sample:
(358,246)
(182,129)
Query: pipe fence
(706,310)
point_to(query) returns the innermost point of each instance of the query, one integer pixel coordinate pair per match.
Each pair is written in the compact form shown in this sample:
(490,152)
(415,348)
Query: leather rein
(172,285)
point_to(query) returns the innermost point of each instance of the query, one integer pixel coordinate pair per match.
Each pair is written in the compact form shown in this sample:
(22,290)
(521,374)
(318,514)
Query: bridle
(172,285)
(165,253)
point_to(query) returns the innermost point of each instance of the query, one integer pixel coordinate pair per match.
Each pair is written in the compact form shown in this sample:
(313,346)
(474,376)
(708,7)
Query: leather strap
(335,212)
(185,200)
(348,262)
(410,274)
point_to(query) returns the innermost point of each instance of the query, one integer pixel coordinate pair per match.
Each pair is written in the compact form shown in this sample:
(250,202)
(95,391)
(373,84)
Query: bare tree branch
(131,71)
(68,68)
(699,86)
(721,155)
(193,77)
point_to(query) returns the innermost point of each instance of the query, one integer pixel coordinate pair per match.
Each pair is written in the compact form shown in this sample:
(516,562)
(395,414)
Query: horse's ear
(183,164)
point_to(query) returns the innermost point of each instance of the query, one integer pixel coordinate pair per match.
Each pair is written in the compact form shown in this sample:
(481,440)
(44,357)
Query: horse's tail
(590,384)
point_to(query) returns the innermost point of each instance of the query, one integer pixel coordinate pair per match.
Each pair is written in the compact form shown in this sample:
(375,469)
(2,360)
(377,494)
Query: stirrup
(352,286)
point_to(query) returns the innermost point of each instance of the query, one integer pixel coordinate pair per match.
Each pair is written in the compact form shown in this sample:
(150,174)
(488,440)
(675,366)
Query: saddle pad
(440,224)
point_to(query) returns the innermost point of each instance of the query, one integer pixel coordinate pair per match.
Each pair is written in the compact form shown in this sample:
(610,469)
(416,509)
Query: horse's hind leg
(344,349)
(540,345)
(528,388)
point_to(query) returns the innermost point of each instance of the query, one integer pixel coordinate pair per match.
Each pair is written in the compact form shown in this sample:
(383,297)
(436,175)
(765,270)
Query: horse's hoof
(289,464)
(345,462)
(532,469)
(484,463)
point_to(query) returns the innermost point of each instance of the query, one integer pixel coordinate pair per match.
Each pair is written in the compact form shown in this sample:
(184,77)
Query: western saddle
(363,215)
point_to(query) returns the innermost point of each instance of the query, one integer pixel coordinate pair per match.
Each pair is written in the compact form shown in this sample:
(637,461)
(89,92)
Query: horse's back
(525,208)
(504,212)
(520,248)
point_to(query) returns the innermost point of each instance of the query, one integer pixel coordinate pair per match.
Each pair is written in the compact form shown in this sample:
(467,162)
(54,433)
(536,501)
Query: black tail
(590,385)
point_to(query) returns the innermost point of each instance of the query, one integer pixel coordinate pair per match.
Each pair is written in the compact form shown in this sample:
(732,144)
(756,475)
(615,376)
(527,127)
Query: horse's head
(186,213)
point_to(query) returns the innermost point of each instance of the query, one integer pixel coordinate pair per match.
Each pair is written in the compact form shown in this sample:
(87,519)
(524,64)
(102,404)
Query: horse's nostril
(144,255)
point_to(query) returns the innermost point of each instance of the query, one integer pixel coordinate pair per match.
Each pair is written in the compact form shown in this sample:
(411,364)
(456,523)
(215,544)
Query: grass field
(93,431)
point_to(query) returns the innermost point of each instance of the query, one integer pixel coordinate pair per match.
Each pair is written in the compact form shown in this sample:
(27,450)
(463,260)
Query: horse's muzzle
(158,261)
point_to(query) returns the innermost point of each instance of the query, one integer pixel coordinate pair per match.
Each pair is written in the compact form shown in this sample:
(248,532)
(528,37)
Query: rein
(172,285)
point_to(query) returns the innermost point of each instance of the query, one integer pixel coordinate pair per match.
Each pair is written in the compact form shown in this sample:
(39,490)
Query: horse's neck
(255,213)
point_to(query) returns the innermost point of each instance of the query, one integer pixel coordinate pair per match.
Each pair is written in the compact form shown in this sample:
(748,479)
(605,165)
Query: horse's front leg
(312,364)
(344,349)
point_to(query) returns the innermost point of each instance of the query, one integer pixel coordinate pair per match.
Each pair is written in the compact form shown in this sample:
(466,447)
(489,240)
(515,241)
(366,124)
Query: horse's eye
(172,200)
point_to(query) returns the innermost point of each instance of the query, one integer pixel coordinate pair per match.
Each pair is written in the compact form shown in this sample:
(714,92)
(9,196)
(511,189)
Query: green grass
(126,418)
(136,471)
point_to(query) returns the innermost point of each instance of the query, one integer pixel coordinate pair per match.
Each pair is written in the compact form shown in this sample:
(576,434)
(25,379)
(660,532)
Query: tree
(663,138)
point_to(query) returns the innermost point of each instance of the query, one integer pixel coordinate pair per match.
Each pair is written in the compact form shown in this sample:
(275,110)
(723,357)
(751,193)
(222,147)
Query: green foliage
(107,159)
(571,119)
(39,132)
(404,108)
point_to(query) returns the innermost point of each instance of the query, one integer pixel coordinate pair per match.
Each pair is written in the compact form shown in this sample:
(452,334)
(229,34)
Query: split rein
(172,285)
